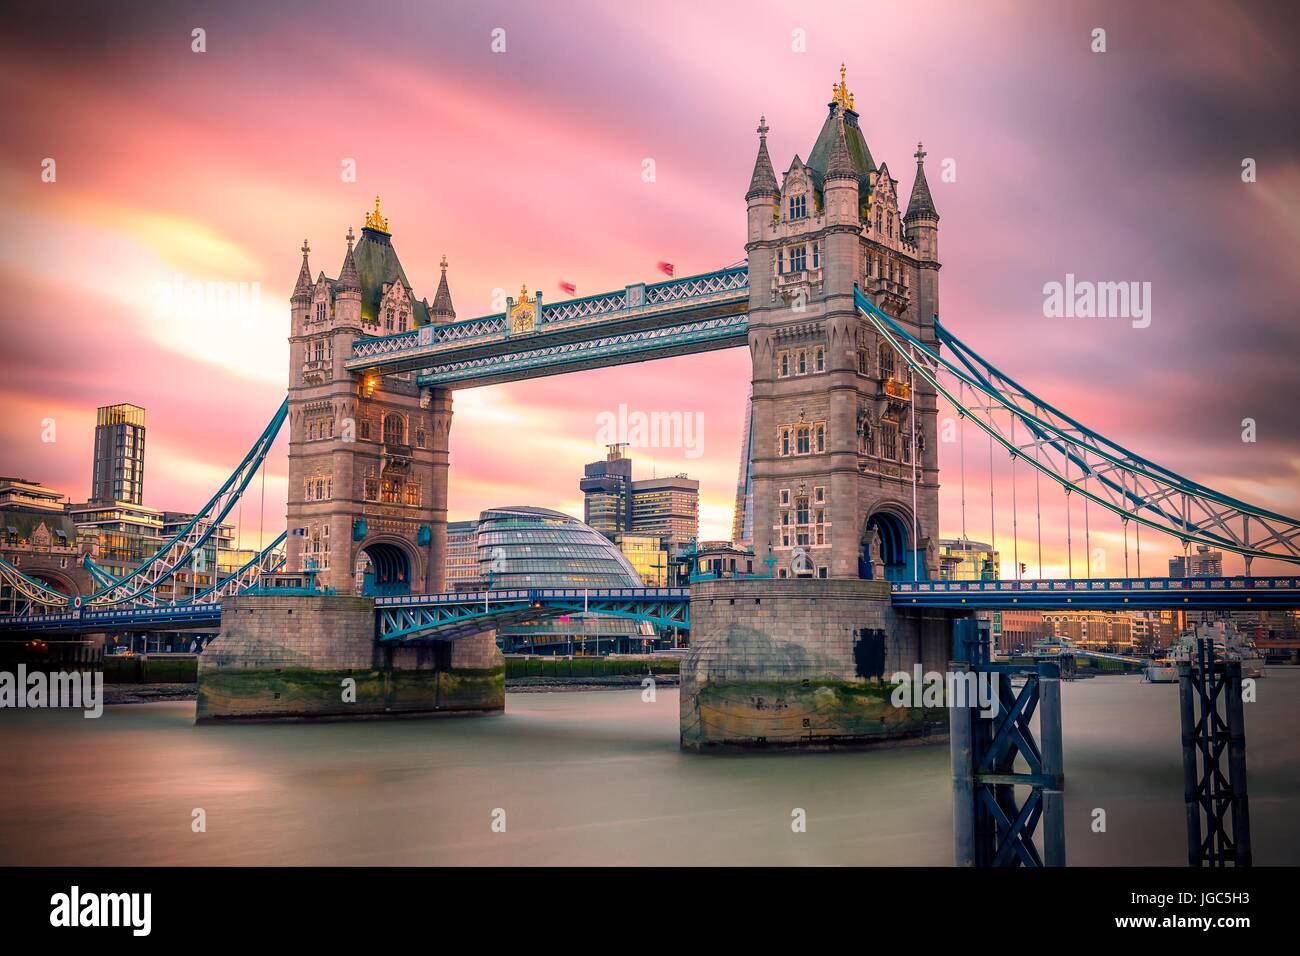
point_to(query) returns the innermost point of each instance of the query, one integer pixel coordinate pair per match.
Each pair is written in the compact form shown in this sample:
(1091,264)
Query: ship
(1229,644)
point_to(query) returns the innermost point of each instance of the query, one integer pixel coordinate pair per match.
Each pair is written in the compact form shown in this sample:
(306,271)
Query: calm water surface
(585,778)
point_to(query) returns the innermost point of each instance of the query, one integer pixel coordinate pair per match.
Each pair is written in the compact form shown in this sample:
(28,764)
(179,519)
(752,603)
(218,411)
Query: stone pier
(291,656)
(797,663)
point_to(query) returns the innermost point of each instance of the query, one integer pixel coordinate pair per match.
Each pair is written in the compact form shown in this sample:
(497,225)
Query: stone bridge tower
(842,497)
(368,454)
(840,490)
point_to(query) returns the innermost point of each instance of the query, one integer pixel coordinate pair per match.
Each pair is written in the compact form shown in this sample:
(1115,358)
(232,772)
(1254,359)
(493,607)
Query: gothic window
(311,432)
(803,361)
(401,322)
(798,258)
(780,262)
(802,440)
(886,360)
(390,490)
(419,438)
(785,449)
(907,449)
(785,496)
(817,255)
(320,311)
(412,492)
(821,359)
(821,438)
(819,494)
(783,361)
(799,207)
(864,363)
(370,489)
(320,350)
(889,440)
(388,320)
(394,430)
(363,429)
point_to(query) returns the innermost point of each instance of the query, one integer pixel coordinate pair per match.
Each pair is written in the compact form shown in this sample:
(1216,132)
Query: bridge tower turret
(840,489)
(368,454)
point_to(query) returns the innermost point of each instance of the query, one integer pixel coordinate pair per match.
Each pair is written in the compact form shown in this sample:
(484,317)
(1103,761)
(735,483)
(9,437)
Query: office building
(119,455)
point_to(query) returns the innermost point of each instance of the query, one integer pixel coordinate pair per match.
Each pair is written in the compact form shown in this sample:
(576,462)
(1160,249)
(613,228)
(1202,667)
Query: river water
(591,777)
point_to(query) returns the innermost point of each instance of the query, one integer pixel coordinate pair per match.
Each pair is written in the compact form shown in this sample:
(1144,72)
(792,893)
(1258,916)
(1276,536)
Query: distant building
(19,494)
(119,454)
(1016,631)
(961,559)
(742,520)
(645,552)
(463,573)
(40,540)
(1203,564)
(605,493)
(669,508)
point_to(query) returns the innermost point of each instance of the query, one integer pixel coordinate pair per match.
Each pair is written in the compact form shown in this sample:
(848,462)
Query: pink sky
(526,167)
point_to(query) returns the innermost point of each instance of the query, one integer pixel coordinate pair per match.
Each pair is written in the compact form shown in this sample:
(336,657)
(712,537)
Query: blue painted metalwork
(994,823)
(680,303)
(704,335)
(1111,593)
(451,615)
(1086,463)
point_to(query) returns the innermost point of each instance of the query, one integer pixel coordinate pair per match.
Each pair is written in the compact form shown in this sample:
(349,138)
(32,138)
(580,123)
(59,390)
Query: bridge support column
(302,656)
(803,664)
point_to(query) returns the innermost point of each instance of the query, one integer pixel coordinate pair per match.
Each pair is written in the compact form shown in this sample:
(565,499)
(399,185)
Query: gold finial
(840,92)
(444,262)
(375,221)
(523,293)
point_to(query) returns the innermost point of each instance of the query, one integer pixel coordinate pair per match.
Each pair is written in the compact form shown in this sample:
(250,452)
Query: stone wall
(786,663)
(284,657)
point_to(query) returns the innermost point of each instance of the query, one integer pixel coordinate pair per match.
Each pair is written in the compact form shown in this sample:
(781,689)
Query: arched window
(419,438)
(886,361)
(394,430)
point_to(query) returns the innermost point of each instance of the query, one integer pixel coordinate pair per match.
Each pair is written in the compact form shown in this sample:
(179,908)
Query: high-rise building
(645,552)
(742,520)
(669,508)
(604,487)
(119,455)
(1203,564)
(614,504)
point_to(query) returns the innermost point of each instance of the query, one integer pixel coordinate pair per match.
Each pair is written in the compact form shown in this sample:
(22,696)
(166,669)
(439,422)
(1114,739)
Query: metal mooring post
(1210,797)
(989,827)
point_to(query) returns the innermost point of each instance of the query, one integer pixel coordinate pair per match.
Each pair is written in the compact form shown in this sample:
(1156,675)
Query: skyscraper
(119,454)
(1203,564)
(614,504)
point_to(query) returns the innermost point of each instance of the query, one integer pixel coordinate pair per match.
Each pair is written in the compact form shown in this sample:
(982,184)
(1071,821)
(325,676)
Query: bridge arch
(891,523)
(386,565)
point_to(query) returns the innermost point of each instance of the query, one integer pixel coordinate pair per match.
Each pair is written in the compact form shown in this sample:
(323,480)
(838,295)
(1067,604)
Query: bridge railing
(1097,584)
(573,313)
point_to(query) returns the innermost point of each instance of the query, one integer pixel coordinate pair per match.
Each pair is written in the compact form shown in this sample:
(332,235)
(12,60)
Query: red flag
(568,287)
(666,268)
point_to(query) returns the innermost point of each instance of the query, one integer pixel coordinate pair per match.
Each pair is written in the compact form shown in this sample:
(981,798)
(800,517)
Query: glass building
(119,454)
(526,547)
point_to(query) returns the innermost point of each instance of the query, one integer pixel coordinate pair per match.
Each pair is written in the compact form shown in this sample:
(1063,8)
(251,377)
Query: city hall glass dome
(539,548)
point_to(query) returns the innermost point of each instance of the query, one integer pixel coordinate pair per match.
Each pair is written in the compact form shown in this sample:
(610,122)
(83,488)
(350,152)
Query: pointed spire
(349,280)
(442,308)
(921,203)
(840,163)
(763,182)
(303,286)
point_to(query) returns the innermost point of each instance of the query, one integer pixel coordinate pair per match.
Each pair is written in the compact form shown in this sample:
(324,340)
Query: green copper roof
(377,264)
(819,158)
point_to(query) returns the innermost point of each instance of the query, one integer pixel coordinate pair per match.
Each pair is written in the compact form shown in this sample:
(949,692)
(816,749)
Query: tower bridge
(837,301)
